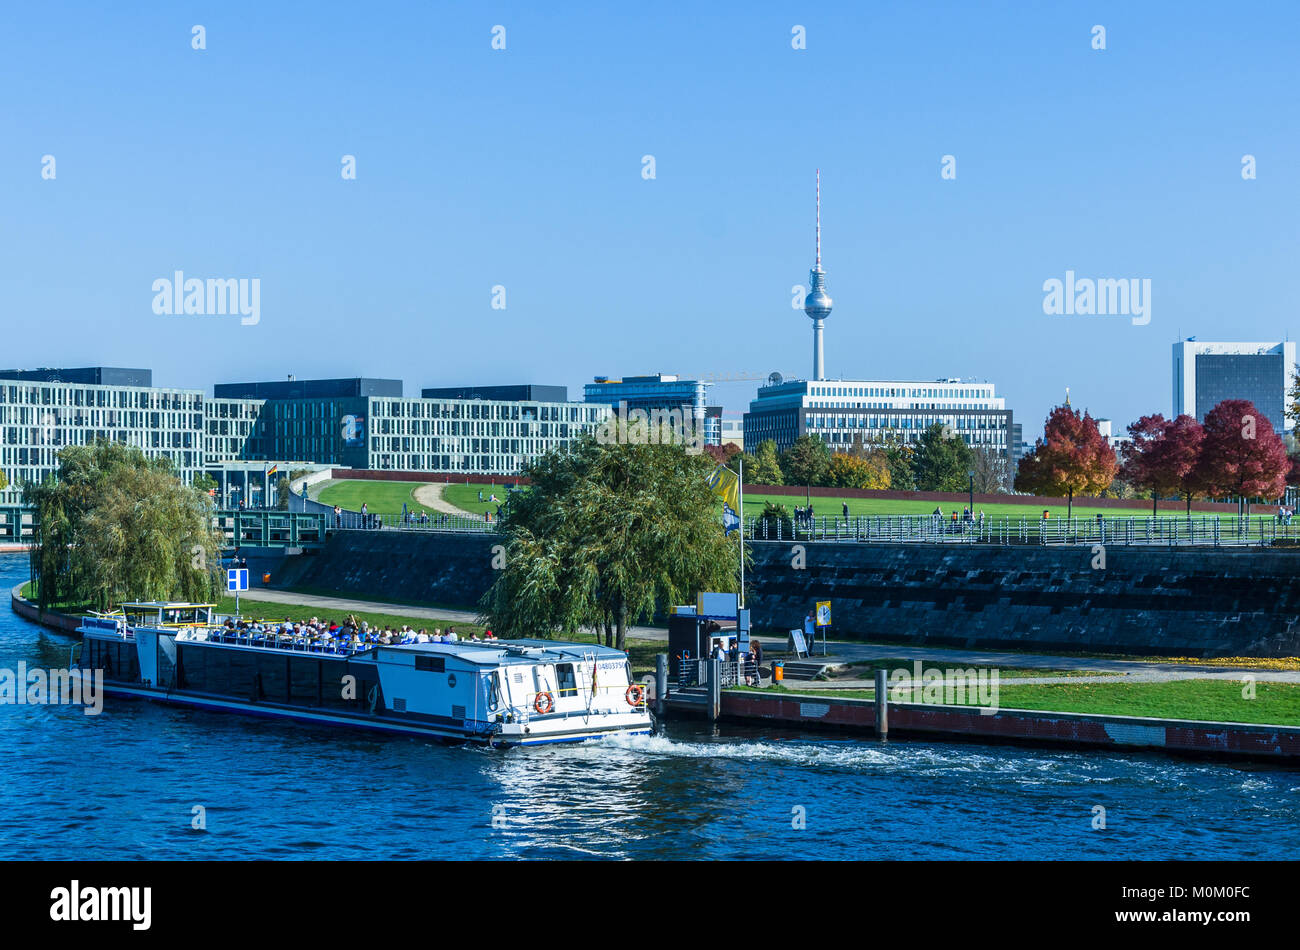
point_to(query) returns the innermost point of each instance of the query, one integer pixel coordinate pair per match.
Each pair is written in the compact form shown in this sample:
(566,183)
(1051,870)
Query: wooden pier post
(882,705)
(661,682)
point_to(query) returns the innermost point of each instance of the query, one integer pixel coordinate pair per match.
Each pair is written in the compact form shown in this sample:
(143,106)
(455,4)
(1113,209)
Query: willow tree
(608,532)
(113,524)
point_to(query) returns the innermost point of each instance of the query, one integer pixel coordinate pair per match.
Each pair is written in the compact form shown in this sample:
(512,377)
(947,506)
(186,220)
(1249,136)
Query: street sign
(823,613)
(797,641)
(237,579)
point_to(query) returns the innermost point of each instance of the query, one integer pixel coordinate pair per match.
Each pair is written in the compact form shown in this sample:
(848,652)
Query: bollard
(661,682)
(715,690)
(882,705)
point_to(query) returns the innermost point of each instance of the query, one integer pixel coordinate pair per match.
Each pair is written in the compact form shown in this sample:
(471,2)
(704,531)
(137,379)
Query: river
(132,781)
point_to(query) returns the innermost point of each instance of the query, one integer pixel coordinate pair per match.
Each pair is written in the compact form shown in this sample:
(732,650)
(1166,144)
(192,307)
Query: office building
(660,392)
(844,412)
(1205,374)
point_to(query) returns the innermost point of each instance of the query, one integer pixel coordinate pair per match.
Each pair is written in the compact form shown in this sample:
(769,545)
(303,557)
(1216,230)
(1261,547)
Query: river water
(129,783)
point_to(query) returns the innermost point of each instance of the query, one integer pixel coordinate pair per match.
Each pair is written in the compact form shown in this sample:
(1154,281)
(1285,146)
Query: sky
(524,168)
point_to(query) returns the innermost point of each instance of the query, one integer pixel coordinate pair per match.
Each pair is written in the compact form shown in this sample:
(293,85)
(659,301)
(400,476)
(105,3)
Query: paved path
(431,497)
(1131,671)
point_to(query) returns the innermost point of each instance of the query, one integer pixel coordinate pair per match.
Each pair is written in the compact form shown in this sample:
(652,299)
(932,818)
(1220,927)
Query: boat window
(434,664)
(566,680)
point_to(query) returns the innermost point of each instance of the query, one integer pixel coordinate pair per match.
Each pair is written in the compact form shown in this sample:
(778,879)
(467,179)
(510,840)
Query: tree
(899,454)
(807,462)
(1293,409)
(942,460)
(1072,458)
(725,454)
(776,521)
(204,483)
(113,524)
(865,471)
(1181,453)
(1146,461)
(282,494)
(608,531)
(4,480)
(1241,455)
(767,465)
(992,471)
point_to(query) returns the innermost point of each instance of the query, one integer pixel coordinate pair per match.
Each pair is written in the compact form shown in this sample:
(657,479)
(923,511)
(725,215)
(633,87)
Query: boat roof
(164,604)
(512,652)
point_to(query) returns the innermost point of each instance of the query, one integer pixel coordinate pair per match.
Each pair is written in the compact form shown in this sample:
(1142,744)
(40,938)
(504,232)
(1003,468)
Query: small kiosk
(696,632)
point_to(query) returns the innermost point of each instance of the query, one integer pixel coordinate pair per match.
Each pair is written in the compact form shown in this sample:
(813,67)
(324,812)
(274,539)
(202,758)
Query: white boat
(498,692)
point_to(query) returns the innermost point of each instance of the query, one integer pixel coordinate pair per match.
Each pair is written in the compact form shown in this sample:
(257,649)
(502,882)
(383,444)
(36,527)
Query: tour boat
(497,692)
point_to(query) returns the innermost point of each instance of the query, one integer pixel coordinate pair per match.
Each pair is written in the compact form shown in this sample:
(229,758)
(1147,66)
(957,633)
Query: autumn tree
(1161,456)
(1072,458)
(1241,455)
(859,471)
(992,471)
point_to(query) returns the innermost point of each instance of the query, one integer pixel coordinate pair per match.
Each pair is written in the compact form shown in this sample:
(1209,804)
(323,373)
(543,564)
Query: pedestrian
(846,511)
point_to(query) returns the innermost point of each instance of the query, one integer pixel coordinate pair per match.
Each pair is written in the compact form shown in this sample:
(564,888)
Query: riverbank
(819,711)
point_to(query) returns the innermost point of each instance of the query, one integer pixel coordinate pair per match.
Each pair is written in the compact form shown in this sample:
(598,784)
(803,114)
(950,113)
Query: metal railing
(694,672)
(411,521)
(1174,531)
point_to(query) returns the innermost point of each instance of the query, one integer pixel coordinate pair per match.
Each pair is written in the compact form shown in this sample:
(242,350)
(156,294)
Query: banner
(730,520)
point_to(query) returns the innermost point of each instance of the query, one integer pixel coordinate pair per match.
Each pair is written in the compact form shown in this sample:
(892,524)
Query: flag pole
(741,479)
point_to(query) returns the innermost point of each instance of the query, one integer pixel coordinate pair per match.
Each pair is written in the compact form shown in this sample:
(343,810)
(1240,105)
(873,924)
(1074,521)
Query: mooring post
(715,690)
(882,705)
(661,682)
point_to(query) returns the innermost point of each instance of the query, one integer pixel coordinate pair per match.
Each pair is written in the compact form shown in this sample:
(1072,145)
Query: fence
(932,529)
(411,521)
(694,672)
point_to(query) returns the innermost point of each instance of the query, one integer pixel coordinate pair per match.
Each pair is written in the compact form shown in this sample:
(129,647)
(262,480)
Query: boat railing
(299,644)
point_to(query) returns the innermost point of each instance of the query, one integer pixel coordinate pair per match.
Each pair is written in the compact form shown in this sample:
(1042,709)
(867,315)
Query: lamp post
(971,475)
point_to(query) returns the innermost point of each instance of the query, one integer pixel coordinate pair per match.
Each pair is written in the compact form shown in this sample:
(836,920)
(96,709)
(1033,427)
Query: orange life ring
(635,695)
(544,703)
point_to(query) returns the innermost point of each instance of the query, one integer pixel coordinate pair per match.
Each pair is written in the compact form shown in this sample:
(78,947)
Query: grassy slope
(379,497)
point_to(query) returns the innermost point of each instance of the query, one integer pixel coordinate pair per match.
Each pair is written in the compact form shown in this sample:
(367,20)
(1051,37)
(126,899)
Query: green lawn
(1214,700)
(884,506)
(380,498)
(466,496)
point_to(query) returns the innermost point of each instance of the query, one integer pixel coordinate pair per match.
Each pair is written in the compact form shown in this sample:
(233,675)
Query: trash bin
(266,578)
(778,671)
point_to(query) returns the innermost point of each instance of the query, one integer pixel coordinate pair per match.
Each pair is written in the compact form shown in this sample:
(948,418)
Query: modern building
(43,411)
(1106,430)
(845,412)
(246,428)
(522,393)
(661,392)
(1205,374)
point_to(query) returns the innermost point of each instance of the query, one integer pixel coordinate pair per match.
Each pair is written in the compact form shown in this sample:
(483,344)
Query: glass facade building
(660,391)
(1205,374)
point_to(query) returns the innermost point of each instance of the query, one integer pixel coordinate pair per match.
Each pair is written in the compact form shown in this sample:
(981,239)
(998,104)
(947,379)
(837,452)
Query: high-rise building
(1205,374)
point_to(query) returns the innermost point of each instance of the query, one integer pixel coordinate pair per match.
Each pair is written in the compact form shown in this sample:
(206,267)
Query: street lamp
(971,474)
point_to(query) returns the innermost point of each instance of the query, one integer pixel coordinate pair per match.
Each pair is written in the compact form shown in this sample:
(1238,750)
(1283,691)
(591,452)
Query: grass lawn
(380,498)
(1215,700)
(884,506)
(465,496)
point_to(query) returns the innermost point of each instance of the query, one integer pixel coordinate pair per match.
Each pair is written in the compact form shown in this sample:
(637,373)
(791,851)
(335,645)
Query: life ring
(544,703)
(635,695)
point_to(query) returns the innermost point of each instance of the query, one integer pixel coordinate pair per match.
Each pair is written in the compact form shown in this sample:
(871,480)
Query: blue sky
(522,168)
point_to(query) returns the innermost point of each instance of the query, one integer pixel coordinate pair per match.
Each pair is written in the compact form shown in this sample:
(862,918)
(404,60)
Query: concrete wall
(1156,601)
(450,569)
(1198,603)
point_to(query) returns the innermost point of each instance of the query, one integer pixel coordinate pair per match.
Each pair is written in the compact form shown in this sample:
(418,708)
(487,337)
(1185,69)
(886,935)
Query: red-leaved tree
(1181,454)
(1072,458)
(1241,454)
(1141,464)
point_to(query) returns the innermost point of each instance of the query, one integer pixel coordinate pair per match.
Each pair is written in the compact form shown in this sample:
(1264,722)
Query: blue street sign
(237,579)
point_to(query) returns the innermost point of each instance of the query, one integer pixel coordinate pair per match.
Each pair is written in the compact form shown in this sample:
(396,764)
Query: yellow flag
(726,485)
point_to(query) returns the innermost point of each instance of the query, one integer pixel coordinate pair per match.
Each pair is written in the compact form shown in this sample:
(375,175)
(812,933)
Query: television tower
(817,305)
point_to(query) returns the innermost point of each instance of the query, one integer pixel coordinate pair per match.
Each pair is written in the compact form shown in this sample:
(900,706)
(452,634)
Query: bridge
(269,528)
